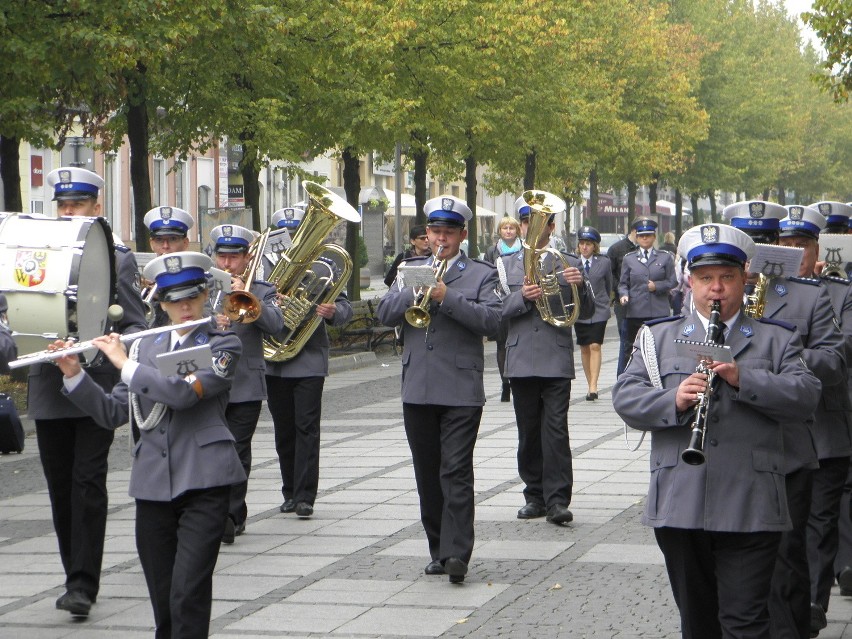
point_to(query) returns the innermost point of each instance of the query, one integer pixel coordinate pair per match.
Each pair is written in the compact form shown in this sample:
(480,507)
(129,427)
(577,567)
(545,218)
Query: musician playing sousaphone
(231,246)
(714,518)
(442,384)
(73,449)
(185,461)
(169,227)
(540,356)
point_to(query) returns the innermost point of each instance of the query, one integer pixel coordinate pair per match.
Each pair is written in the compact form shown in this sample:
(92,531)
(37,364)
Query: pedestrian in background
(616,254)
(509,242)
(419,248)
(590,332)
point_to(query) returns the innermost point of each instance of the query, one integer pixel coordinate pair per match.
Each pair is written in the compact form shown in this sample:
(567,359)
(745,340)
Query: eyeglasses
(422,237)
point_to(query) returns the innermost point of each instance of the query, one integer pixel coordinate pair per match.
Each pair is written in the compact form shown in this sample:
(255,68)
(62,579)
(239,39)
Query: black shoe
(532,510)
(818,620)
(240,529)
(229,532)
(559,514)
(304,509)
(456,569)
(434,567)
(844,580)
(288,506)
(507,391)
(590,397)
(77,602)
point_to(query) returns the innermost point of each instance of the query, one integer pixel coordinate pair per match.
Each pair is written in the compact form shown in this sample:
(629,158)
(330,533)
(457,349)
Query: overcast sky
(795,7)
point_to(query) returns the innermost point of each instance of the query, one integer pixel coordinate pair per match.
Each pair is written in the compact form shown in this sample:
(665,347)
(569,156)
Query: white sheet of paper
(835,249)
(185,361)
(776,261)
(417,276)
(703,350)
(221,279)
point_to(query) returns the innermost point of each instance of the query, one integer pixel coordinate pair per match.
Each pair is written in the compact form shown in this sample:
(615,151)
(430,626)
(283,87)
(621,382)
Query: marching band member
(185,461)
(442,386)
(169,227)
(831,427)
(540,367)
(803,303)
(8,348)
(295,397)
(72,448)
(230,251)
(713,519)
(647,276)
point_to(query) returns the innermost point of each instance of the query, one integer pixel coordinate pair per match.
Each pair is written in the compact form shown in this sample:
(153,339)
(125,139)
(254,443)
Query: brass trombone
(243,307)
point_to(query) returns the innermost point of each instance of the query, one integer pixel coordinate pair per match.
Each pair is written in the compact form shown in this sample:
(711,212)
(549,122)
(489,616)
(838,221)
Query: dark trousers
(720,581)
(441,439)
(544,448)
(823,535)
(296,407)
(74,455)
(178,544)
(790,599)
(631,329)
(619,312)
(844,527)
(242,421)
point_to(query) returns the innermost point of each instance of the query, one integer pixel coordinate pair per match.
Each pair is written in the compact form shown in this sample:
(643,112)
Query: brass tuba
(296,276)
(551,306)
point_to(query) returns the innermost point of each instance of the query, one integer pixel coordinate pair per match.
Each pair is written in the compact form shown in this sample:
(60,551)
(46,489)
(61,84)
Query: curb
(350,362)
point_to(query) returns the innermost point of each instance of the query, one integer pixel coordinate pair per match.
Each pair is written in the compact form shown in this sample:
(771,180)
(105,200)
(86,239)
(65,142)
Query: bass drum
(58,276)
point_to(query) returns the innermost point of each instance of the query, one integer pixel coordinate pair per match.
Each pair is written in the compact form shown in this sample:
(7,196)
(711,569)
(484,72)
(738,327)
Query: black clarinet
(694,453)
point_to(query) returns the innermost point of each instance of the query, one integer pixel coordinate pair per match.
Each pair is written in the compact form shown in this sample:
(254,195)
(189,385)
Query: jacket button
(162,429)
(432,330)
(658,462)
(429,347)
(144,389)
(677,367)
(753,397)
(714,419)
(164,453)
(713,442)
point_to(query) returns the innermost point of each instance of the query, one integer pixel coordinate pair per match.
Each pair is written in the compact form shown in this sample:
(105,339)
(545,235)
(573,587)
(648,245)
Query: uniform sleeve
(480,315)
(8,349)
(824,352)
(343,311)
(109,410)
(669,280)
(624,282)
(394,303)
(129,293)
(271,321)
(182,393)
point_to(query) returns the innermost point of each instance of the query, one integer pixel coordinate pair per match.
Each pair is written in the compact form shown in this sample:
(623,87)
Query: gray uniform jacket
(600,277)
(443,363)
(250,380)
(191,447)
(807,306)
(535,348)
(660,269)
(312,360)
(8,349)
(44,401)
(740,488)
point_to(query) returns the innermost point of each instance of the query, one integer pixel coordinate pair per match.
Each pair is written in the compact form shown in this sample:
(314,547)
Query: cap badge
(173,265)
(757,209)
(65,177)
(165,213)
(709,233)
(447,203)
(289,214)
(228,231)
(796,213)
(825,209)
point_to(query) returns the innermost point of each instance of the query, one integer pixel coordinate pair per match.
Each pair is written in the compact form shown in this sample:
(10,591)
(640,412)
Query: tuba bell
(304,277)
(551,305)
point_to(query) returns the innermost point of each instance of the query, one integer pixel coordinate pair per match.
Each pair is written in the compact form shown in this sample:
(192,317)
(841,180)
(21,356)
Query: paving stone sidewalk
(356,567)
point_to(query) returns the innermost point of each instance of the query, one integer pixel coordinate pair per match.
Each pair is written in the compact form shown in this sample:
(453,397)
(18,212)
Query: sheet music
(835,249)
(776,261)
(185,361)
(417,276)
(704,350)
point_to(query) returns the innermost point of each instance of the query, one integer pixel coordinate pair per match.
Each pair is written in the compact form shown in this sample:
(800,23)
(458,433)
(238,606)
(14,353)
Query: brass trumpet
(418,314)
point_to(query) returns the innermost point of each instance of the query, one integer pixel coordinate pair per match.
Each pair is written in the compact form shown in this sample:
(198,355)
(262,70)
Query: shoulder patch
(788,326)
(805,280)
(660,320)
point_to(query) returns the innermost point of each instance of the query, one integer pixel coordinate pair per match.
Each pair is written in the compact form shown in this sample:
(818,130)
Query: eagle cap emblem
(173,264)
(165,213)
(796,213)
(825,209)
(709,233)
(228,230)
(757,209)
(289,214)
(447,203)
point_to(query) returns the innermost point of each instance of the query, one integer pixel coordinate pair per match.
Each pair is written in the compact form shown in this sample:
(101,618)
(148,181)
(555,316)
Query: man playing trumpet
(713,519)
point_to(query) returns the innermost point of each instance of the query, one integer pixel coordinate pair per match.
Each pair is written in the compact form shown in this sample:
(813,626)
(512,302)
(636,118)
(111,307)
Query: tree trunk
(697,218)
(631,198)
(782,196)
(421,157)
(10,171)
(137,135)
(678,212)
(714,215)
(593,198)
(470,198)
(250,171)
(652,192)
(765,195)
(529,170)
(352,186)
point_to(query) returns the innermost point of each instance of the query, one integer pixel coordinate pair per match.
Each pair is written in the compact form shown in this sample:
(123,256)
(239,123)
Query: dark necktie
(586,267)
(646,254)
(720,338)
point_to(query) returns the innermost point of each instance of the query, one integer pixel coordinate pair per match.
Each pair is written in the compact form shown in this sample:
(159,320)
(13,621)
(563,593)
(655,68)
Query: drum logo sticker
(30,267)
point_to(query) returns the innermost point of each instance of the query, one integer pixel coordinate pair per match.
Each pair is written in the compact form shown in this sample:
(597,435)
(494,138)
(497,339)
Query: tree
(831,19)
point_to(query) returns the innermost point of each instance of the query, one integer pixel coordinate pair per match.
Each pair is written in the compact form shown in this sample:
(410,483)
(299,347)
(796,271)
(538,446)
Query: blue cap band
(800,225)
(232,240)
(184,276)
(446,217)
(717,249)
(759,224)
(170,225)
(63,188)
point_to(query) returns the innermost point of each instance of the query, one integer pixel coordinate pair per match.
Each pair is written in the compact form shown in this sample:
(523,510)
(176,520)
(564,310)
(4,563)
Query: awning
(664,207)
(409,205)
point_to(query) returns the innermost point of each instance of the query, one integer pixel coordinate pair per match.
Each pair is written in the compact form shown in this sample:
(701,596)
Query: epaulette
(491,264)
(813,281)
(660,320)
(121,248)
(836,279)
(766,320)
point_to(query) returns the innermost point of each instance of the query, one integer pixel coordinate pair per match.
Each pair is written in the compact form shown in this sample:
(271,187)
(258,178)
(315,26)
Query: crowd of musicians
(741,380)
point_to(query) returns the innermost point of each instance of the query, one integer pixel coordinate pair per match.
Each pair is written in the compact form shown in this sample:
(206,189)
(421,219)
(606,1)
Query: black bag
(11,430)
